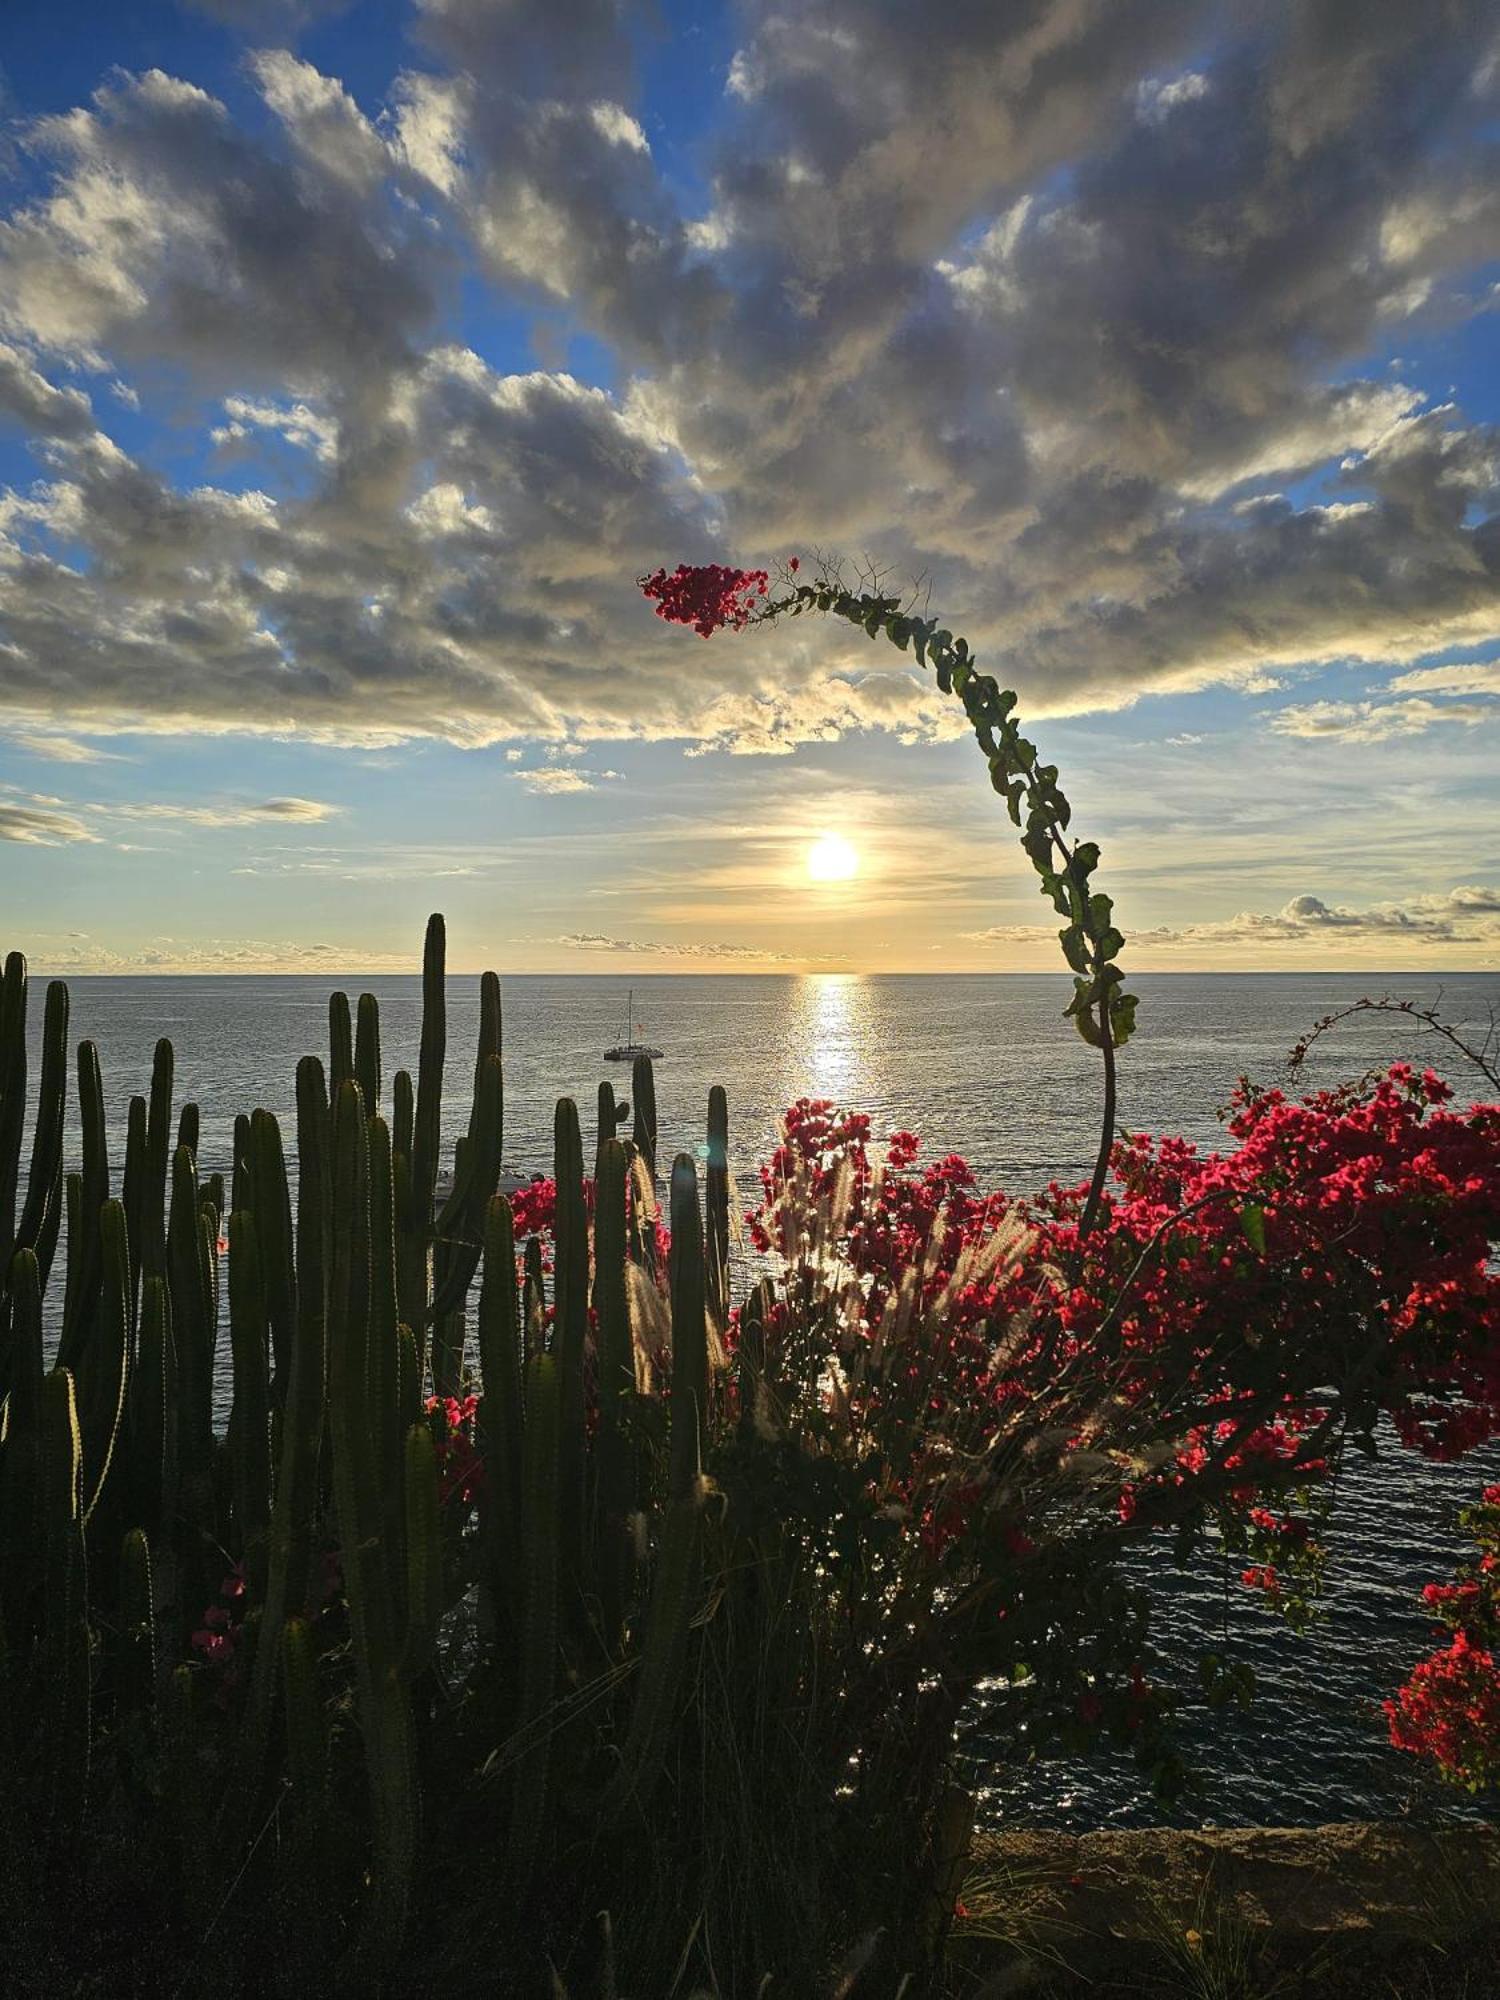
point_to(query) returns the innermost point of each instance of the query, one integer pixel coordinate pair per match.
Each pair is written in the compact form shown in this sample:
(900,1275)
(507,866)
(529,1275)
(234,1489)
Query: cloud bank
(1052,304)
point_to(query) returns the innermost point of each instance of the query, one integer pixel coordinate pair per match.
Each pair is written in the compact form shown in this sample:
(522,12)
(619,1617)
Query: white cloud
(284,812)
(556,780)
(63,749)
(1378,721)
(593,941)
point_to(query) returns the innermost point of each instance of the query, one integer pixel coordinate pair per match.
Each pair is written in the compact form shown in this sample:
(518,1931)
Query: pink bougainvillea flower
(707,596)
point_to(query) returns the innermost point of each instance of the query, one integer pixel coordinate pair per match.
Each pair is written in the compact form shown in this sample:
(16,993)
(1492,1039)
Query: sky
(356,359)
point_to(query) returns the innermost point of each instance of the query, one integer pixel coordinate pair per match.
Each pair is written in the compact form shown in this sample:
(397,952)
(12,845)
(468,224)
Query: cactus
(533,1300)
(643,1093)
(158,1162)
(106,1363)
(716,1205)
(427,1126)
(133,1192)
(367,1051)
(267,1196)
(538,1662)
(340,1043)
(570,1321)
(12,1093)
(117,1496)
(424,1574)
(194,1327)
(293,1513)
(250,1413)
(689,1329)
(154,1416)
(674,1598)
(85,1255)
(306,1720)
(135,1692)
(615,1458)
(62,1666)
(677,1587)
(20,1466)
(44,1182)
(501,1414)
(379,1645)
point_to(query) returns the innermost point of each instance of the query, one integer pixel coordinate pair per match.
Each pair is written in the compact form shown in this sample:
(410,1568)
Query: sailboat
(629,1049)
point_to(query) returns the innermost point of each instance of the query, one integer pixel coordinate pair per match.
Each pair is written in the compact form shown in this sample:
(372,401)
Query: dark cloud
(1049,303)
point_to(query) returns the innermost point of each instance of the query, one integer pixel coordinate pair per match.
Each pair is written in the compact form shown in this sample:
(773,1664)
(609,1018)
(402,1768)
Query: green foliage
(1101,1013)
(1100,1009)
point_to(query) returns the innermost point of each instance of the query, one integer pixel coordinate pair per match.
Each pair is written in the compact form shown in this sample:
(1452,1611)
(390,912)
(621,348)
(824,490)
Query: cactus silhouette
(247,1623)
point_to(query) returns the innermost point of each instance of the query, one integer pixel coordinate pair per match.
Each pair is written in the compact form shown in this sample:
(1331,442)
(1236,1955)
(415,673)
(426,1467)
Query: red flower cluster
(217,1639)
(460,1467)
(1344,1235)
(1196,1358)
(707,596)
(1449,1708)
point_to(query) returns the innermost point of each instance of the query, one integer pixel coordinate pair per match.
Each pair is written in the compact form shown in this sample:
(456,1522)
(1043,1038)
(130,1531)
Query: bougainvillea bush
(1449,1709)
(945,1415)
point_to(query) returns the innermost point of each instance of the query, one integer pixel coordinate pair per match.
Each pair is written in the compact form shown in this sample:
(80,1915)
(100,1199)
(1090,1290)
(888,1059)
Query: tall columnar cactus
(367,1051)
(391,1638)
(249,1436)
(502,1410)
(616,1496)
(678,1583)
(120,1499)
(135,1689)
(61,1676)
(35,1227)
(643,1094)
(21,1461)
(293,1520)
(537,1669)
(570,1324)
(716,1233)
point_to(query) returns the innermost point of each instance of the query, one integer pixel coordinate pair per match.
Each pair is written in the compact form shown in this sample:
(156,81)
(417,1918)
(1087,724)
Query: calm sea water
(985,1066)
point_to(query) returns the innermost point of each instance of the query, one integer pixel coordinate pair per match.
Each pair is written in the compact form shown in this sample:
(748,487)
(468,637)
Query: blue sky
(355,359)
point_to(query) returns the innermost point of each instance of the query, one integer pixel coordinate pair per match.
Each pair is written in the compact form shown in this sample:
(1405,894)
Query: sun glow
(831,858)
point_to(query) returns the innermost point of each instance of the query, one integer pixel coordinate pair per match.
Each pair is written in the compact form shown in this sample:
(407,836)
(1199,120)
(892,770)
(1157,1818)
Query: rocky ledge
(1340,1894)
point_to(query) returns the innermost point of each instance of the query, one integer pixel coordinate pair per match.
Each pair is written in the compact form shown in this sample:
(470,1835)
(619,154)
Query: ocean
(982,1065)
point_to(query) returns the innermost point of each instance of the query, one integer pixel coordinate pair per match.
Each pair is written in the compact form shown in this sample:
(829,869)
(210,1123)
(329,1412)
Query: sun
(831,858)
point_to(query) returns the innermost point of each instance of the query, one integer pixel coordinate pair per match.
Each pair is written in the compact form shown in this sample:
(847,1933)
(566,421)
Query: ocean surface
(982,1065)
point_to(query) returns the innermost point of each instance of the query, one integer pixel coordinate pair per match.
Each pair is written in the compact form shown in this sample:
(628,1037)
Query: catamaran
(629,1049)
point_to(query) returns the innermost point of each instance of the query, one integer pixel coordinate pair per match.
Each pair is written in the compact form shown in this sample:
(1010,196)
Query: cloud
(556,780)
(37,405)
(594,941)
(63,749)
(1379,721)
(1465,915)
(309,812)
(265,19)
(40,826)
(1459,677)
(61,955)
(1046,354)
